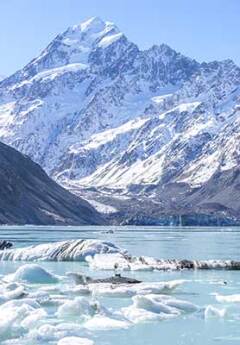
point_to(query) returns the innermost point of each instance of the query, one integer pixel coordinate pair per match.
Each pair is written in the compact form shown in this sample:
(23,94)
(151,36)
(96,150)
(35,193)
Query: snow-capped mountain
(96,111)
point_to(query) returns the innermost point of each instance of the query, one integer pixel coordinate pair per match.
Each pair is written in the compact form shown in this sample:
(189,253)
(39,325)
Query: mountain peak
(73,46)
(88,34)
(93,22)
(93,26)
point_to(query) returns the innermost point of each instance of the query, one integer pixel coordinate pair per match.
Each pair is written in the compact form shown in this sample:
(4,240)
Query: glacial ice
(213,312)
(11,291)
(151,307)
(102,255)
(13,313)
(145,263)
(109,290)
(60,312)
(32,273)
(228,298)
(72,250)
(80,307)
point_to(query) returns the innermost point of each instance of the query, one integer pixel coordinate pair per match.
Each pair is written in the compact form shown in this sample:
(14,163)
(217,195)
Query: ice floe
(228,298)
(13,314)
(91,314)
(72,250)
(213,312)
(151,307)
(9,291)
(32,273)
(109,290)
(126,262)
(80,307)
(104,255)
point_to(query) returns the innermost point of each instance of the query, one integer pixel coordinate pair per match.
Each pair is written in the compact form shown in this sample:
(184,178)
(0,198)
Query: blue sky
(202,29)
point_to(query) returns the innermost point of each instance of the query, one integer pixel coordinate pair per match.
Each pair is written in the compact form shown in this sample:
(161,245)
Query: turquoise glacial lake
(215,294)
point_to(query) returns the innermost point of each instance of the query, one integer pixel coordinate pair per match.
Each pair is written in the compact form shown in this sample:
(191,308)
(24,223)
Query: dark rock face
(5,245)
(29,196)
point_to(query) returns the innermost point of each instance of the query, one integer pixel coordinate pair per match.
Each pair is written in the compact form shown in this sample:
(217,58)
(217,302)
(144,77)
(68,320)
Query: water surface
(180,243)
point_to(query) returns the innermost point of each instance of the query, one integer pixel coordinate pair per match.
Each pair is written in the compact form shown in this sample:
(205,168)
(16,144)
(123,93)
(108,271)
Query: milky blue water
(179,243)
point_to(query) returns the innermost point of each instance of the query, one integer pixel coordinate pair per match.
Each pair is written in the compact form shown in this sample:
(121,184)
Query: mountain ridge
(29,196)
(97,112)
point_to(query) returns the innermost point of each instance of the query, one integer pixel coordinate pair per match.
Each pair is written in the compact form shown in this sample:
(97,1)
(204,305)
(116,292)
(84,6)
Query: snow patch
(108,40)
(102,208)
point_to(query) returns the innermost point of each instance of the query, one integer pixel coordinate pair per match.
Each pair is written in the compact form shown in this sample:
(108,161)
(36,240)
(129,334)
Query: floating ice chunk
(13,313)
(124,263)
(111,290)
(137,315)
(152,307)
(149,303)
(228,299)
(145,263)
(183,306)
(227,339)
(53,333)
(16,293)
(46,333)
(34,318)
(19,303)
(159,287)
(81,290)
(108,262)
(34,274)
(79,307)
(73,250)
(48,298)
(94,316)
(211,312)
(11,291)
(141,267)
(75,341)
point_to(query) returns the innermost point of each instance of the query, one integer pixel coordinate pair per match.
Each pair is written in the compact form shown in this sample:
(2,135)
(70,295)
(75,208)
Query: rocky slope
(29,196)
(97,112)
